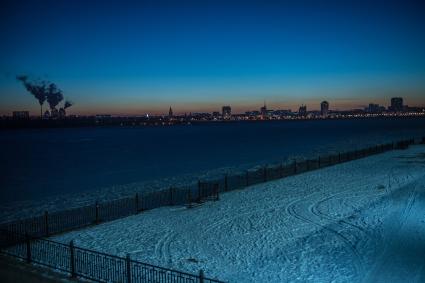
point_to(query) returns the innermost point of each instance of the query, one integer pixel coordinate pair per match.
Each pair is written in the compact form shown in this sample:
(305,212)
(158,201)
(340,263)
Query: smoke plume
(43,91)
(67,104)
(54,95)
(37,90)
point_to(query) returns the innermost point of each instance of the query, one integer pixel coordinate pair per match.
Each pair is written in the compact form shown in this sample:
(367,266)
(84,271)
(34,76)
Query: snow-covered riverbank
(359,221)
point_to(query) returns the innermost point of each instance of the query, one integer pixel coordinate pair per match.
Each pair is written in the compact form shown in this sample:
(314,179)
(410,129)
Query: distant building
(374,108)
(200,116)
(170,113)
(263,110)
(396,104)
(302,111)
(252,114)
(108,116)
(21,115)
(287,112)
(324,108)
(227,112)
(216,114)
(46,114)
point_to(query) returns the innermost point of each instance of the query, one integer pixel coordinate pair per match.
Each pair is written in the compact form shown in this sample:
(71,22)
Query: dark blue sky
(142,56)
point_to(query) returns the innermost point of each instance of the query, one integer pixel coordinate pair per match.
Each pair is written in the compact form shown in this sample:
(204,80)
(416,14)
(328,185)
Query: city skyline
(197,56)
(237,107)
(396,105)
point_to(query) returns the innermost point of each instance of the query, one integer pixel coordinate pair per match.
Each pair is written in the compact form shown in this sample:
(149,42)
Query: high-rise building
(170,113)
(324,108)
(396,104)
(303,110)
(227,112)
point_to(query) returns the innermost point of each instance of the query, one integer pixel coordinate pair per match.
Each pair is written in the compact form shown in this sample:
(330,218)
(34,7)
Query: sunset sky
(136,57)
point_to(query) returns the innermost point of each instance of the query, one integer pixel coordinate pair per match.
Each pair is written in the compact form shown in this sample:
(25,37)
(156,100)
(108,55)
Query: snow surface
(361,221)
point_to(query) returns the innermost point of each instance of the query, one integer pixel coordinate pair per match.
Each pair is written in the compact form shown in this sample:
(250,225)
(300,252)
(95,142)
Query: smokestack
(38,91)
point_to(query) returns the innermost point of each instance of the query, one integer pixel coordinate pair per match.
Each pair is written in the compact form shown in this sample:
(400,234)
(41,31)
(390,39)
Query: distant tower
(170,113)
(303,110)
(324,108)
(263,110)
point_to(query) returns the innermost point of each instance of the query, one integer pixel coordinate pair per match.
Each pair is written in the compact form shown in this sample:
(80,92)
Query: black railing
(24,238)
(89,264)
(66,220)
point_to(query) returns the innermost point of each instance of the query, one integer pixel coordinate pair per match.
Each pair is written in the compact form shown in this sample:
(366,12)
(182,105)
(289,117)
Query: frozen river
(39,164)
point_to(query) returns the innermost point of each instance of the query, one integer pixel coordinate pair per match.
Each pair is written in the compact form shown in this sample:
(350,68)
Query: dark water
(46,162)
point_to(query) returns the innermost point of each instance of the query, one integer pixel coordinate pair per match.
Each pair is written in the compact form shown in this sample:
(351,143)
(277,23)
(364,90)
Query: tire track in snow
(162,248)
(359,265)
(245,223)
(247,214)
(379,266)
(315,209)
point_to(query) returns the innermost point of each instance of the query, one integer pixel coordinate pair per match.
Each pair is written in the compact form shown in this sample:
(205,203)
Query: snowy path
(362,221)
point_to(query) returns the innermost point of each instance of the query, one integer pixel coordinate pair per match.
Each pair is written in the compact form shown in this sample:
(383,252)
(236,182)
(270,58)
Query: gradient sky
(134,57)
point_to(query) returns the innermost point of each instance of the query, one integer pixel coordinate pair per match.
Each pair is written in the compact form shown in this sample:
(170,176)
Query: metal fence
(66,220)
(91,265)
(24,238)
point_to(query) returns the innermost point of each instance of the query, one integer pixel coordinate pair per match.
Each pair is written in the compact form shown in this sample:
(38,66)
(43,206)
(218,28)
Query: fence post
(217,192)
(201,276)
(339,157)
(140,205)
(246,178)
(189,198)
(97,212)
(319,161)
(72,258)
(28,244)
(199,191)
(46,222)
(128,264)
(136,203)
(265,173)
(171,196)
(281,170)
(225,183)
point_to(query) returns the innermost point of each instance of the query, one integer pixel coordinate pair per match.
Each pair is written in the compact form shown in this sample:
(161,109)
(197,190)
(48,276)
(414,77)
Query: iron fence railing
(89,264)
(102,267)
(75,218)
